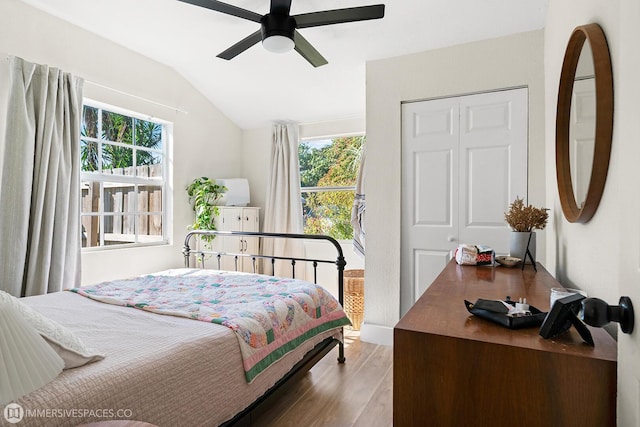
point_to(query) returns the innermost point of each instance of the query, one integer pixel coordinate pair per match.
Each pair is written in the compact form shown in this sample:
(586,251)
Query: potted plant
(523,220)
(204,193)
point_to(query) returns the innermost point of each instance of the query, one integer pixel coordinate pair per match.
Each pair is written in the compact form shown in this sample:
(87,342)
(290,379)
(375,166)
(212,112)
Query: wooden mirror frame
(604,122)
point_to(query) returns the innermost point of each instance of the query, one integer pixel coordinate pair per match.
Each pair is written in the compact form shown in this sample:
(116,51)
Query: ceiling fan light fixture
(278,44)
(277,32)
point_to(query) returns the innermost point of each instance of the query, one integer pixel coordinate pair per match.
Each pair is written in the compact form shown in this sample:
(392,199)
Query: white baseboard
(376,334)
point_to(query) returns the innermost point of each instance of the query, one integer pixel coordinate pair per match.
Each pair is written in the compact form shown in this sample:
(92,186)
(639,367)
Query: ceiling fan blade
(225,8)
(282,7)
(339,16)
(308,52)
(241,46)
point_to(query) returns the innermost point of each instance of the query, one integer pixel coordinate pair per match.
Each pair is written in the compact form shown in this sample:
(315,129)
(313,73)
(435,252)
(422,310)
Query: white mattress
(165,370)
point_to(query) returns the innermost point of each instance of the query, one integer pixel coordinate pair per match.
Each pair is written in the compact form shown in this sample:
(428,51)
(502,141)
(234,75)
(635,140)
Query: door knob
(451,239)
(598,313)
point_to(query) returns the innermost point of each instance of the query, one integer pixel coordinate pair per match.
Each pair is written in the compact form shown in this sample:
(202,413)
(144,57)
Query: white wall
(628,227)
(205,141)
(469,68)
(601,256)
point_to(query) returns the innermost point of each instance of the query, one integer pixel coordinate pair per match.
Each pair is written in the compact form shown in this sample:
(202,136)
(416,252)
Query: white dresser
(235,218)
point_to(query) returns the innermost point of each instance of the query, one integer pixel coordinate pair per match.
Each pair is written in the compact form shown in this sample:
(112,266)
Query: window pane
(149,171)
(117,160)
(150,228)
(90,231)
(90,193)
(149,198)
(89,122)
(117,127)
(330,162)
(90,204)
(328,212)
(119,229)
(89,156)
(119,197)
(148,134)
(149,164)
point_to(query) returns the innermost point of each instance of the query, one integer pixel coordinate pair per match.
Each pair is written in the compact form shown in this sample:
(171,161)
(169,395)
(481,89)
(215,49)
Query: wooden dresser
(451,368)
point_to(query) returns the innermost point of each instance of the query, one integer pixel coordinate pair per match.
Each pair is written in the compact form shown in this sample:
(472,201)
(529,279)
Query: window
(328,172)
(123,177)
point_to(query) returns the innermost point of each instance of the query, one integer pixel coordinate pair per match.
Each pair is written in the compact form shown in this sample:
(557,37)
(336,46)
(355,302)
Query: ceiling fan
(279,30)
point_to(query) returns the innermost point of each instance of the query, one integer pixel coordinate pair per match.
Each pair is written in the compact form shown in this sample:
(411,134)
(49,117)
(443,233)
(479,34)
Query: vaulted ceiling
(257,86)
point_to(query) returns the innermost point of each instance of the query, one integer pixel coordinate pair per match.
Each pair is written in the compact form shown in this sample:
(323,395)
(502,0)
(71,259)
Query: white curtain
(357,212)
(39,195)
(283,210)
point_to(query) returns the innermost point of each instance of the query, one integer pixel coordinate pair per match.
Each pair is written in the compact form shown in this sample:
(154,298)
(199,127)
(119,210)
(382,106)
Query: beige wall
(205,141)
(474,67)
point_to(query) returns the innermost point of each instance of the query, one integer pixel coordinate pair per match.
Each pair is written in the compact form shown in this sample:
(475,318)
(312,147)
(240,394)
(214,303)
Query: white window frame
(135,181)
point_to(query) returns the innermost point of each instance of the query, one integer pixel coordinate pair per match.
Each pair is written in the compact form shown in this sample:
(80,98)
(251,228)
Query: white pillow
(63,341)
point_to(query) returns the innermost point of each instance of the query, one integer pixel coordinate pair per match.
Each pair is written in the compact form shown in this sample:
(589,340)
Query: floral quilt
(270,315)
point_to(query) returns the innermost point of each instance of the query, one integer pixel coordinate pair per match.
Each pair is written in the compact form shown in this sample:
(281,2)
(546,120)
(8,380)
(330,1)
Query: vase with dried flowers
(523,220)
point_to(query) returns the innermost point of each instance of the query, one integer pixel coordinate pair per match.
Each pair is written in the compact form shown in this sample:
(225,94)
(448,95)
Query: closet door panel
(493,146)
(430,192)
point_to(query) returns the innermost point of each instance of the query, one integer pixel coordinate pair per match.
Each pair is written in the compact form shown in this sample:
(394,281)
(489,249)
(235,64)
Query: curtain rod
(138,97)
(6,57)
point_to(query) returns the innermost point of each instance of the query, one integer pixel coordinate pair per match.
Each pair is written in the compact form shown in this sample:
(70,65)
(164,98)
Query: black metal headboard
(339,261)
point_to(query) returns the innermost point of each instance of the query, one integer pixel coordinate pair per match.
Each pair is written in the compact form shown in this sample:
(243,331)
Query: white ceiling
(258,87)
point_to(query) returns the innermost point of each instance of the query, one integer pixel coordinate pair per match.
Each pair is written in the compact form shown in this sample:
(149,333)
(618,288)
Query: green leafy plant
(203,194)
(526,218)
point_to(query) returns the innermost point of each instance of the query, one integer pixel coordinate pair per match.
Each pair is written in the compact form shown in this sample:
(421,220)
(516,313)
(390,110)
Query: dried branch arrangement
(526,218)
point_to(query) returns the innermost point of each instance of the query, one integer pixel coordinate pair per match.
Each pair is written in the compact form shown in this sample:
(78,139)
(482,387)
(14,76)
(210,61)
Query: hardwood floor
(356,393)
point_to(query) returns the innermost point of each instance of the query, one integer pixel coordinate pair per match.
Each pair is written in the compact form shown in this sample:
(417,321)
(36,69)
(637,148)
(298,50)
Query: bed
(170,369)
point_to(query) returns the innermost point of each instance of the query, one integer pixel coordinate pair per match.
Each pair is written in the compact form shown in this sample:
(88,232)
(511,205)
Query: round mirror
(584,123)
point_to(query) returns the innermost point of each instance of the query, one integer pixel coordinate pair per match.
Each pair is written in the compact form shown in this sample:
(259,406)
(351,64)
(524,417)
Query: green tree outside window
(328,173)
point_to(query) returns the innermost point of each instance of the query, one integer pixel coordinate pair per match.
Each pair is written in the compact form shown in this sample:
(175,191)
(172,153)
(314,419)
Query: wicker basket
(354,297)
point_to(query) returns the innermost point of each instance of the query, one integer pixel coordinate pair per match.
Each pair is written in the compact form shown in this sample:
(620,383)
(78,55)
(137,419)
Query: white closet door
(464,161)
(430,135)
(493,164)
